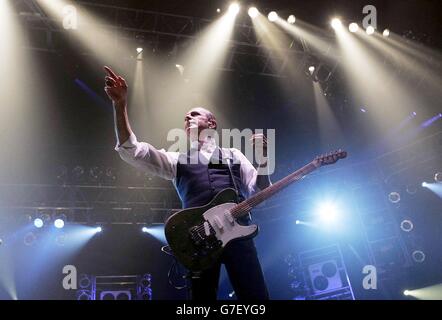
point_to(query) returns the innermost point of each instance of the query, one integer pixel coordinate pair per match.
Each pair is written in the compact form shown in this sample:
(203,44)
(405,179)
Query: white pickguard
(227,229)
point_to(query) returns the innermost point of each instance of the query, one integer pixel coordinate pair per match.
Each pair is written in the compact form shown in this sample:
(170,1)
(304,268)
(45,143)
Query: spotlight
(406,225)
(59,223)
(369,30)
(218,10)
(231,294)
(272,16)
(98,229)
(297,222)
(336,23)
(291,19)
(253,12)
(386,33)
(394,197)
(363,110)
(411,189)
(406,292)
(139,50)
(144,229)
(234,8)
(353,27)
(424,184)
(29,238)
(60,239)
(438,177)
(418,256)
(327,211)
(38,223)
(311,69)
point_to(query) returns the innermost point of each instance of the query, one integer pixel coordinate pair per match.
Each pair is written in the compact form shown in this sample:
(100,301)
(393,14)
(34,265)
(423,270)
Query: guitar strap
(229,164)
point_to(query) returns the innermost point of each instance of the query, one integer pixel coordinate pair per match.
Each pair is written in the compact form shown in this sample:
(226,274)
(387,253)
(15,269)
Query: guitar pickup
(228,216)
(218,223)
(206,228)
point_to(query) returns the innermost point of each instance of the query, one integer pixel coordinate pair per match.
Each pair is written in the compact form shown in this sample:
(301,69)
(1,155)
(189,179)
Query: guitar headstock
(330,158)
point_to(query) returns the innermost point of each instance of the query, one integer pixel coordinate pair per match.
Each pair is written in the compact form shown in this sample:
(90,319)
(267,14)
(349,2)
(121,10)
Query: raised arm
(141,155)
(116,89)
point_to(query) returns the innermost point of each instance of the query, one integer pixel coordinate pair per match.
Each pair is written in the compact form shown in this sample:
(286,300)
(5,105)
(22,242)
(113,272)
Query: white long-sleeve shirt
(162,163)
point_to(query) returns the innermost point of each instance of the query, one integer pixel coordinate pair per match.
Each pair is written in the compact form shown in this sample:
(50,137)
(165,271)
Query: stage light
(369,30)
(406,225)
(406,292)
(438,177)
(59,223)
(327,211)
(311,69)
(297,222)
(386,33)
(336,23)
(253,12)
(218,10)
(139,50)
(363,110)
(144,229)
(411,189)
(38,223)
(291,19)
(29,239)
(424,184)
(234,8)
(418,256)
(98,229)
(353,27)
(272,16)
(394,197)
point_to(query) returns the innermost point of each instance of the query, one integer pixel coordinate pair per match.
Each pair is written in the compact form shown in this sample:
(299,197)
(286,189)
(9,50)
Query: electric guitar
(197,236)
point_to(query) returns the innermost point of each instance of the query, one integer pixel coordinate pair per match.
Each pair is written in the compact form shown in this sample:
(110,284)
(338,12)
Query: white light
(369,30)
(336,23)
(234,8)
(272,16)
(218,10)
(424,184)
(59,223)
(291,19)
(353,27)
(438,177)
(38,223)
(139,50)
(144,229)
(406,292)
(98,229)
(297,222)
(253,12)
(386,33)
(311,69)
(327,211)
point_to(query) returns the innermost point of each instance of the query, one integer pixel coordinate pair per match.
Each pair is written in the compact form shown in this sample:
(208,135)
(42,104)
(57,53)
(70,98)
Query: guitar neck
(244,207)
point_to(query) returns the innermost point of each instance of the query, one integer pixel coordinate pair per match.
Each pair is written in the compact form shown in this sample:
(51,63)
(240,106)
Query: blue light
(98,229)
(38,223)
(327,212)
(144,229)
(424,184)
(59,223)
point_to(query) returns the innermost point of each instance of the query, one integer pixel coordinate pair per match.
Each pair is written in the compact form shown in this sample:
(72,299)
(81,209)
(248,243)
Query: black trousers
(244,271)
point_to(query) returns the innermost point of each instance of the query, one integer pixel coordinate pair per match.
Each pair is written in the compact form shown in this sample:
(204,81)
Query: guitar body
(197,236)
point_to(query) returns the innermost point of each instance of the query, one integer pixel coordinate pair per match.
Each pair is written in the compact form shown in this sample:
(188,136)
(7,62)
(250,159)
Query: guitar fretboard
(247,205)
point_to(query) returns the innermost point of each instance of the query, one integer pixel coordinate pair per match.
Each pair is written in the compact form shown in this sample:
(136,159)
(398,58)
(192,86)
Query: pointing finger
(110,72)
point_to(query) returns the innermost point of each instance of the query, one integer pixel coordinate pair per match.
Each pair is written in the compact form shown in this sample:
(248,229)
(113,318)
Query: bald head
(201,117)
